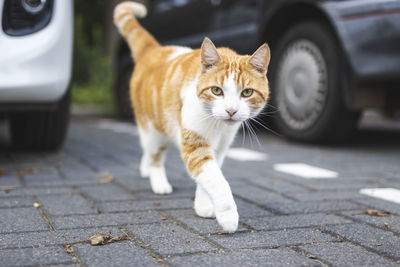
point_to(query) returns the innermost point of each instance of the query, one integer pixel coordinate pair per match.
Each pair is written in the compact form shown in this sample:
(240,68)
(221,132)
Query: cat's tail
(139,40)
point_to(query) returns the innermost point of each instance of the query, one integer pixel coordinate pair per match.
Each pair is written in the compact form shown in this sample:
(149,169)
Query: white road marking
(243,154)
(305,171)
(118,127)
(389,194)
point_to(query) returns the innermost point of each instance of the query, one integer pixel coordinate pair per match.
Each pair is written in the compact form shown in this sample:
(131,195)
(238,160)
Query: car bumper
(370,35)
(37,67)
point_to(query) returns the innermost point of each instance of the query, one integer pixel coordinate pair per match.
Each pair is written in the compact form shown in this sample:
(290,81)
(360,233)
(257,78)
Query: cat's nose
(231,111)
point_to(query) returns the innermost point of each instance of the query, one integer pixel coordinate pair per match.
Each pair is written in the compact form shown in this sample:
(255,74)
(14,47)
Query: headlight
(22,17)
(33,6)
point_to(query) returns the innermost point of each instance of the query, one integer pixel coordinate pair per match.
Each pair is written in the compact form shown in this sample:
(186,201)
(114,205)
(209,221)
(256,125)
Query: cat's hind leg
(154,146)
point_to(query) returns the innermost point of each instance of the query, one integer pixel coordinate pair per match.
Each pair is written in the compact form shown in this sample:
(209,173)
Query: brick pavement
(284,220)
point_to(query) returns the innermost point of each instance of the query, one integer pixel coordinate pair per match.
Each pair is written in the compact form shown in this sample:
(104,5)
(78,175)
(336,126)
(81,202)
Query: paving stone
(9,181)
(44,180)
(110,219)
(134,183)
(271,238)
(346,254)
(293,207)
(106,192)
(15,220)
(264,257)
(65,205)
(380,204)
(392,221)
(277,185)
(34,256)
(378,240)
(36,191)
(139,205)
(177,193)
(125,253)
(326,195)
(168,239)
(257,195)
(198,224)
(15,202)
(51,238)
(293,221)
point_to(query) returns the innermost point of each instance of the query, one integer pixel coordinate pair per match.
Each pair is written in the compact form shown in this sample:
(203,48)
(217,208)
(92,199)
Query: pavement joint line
(70,251)
(380,253)
(387,194)
(364,222)
(114,182)
(192,231)
(273,177)
(304,170)
(310,256)
(83,161)
(43,214)
(91,202)
(273,211)
(141,244)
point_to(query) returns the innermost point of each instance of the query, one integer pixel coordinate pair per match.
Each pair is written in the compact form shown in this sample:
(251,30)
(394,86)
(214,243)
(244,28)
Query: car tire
(121,88)
(307,74)
(43,130)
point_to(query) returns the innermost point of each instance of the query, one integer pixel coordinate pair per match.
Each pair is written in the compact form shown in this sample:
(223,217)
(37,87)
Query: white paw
(228,219)
(205,211)
(144,172)
(161,188)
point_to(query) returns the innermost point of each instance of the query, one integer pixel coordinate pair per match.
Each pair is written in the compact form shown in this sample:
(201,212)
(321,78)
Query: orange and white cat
(196,99)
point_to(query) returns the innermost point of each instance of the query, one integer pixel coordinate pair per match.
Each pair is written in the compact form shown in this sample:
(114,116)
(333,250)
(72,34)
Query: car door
(238,24)
(180,22)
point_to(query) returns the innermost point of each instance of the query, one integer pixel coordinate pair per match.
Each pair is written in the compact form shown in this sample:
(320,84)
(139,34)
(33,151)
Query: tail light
(22,17)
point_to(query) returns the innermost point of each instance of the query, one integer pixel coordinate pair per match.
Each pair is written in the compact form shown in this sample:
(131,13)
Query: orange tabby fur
(161,75)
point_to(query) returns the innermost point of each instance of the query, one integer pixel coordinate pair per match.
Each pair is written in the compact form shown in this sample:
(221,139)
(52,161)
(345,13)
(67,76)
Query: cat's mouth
(231,121)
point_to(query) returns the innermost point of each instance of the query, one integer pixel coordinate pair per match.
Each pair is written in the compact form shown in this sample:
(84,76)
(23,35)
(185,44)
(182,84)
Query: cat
(197,99)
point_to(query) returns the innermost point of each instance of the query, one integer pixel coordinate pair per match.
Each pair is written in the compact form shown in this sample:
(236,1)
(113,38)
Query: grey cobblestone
(293,221)
(34,256)
(105,192)
(269,257)
(99,220)
(15,202)
(124,253)
(15,220)
(346,254)
(65,205)
(140,205)
(167,239)
(372,238)
(272,238)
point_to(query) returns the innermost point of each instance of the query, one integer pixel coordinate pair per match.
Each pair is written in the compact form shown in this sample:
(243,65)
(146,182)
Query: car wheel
(41,129)
(306,83)
(121,88)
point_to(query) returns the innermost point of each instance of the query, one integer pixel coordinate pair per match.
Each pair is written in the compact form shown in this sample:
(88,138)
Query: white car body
(36,68)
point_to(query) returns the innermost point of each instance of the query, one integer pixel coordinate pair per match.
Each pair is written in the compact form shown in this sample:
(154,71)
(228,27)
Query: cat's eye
(247,92)
(217,91)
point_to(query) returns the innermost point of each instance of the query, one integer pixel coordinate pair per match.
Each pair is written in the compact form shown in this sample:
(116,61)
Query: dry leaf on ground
(106,179)
(103,238)
(374,212)
(26,171)
(157,204)
(163,218)
(386,225)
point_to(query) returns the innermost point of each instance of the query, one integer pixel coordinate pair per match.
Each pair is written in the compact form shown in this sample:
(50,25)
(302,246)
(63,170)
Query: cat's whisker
(254,134)
(265,127)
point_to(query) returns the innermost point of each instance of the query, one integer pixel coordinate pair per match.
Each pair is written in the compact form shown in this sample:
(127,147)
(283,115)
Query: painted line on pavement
(305,171)
(388,194)
(244,154)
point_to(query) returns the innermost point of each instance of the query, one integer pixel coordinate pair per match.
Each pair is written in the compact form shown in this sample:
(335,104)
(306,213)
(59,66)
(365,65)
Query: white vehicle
(35,70)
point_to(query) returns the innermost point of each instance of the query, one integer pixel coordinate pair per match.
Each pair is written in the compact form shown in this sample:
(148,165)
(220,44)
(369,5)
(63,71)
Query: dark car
(330,59)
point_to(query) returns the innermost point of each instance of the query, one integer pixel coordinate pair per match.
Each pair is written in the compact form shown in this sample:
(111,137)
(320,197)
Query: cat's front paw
(228,219)
(205,211)
(161,188)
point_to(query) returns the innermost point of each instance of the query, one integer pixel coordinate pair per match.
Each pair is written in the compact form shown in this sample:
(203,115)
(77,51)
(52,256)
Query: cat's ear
(209,54)
(260,59)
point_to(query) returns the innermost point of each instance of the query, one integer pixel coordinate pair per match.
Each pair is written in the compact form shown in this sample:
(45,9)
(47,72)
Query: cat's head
(231,87)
